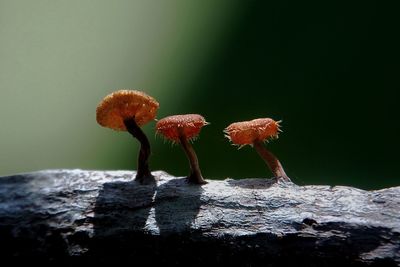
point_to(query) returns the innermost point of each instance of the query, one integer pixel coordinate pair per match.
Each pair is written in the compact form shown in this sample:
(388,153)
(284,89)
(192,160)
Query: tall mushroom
(254,133)
(183,129)
(127,110)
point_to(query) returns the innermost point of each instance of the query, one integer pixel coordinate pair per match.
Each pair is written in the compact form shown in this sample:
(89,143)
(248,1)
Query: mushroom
(127,110)
(183,129)
(254,133)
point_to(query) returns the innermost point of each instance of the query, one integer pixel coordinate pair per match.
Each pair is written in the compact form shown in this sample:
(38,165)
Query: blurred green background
(329,70)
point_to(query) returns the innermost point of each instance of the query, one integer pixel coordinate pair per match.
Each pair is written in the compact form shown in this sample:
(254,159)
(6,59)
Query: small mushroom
(183,129)
(255,133)
(127,110)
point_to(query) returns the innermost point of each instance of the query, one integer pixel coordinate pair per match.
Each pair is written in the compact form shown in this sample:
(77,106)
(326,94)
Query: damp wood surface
(80,216)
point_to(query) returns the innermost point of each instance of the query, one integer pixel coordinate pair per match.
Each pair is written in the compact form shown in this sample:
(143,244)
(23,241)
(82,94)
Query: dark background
(328,70)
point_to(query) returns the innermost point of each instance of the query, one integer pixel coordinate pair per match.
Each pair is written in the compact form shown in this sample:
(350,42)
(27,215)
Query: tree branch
(76,216)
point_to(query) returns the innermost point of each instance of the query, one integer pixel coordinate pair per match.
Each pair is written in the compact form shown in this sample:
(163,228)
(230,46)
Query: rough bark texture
(76,216)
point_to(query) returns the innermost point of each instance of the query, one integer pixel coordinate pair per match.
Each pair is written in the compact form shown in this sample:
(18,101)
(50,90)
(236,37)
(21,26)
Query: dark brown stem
(195,176)
(143,174)
(273,163)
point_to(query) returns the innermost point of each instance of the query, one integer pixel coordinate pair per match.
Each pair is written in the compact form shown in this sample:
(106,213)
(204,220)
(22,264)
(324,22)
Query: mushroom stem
(195,176)
(143,174)
(273,163)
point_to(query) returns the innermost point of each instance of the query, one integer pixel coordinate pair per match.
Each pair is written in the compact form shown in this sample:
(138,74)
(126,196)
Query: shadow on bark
(256,183)
(132,228)
(176,208)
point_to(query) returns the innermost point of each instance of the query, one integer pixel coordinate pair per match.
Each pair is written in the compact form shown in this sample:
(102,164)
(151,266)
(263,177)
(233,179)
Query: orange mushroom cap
(246,132)
(188,125)
(124,104)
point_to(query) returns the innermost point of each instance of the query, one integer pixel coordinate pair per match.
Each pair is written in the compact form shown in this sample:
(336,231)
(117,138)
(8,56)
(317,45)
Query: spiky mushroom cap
(126,104)
(247,132)
(188,126)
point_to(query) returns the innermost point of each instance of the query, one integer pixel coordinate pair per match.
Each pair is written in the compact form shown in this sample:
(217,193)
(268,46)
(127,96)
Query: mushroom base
(195,176)
(143,175)
(271,160)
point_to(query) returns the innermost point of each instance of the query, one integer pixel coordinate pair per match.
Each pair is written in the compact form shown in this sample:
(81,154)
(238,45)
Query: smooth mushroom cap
(124,104)
(246,132)
(188,125)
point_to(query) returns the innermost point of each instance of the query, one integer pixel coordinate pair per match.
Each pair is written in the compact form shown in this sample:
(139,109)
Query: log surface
(78,216)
